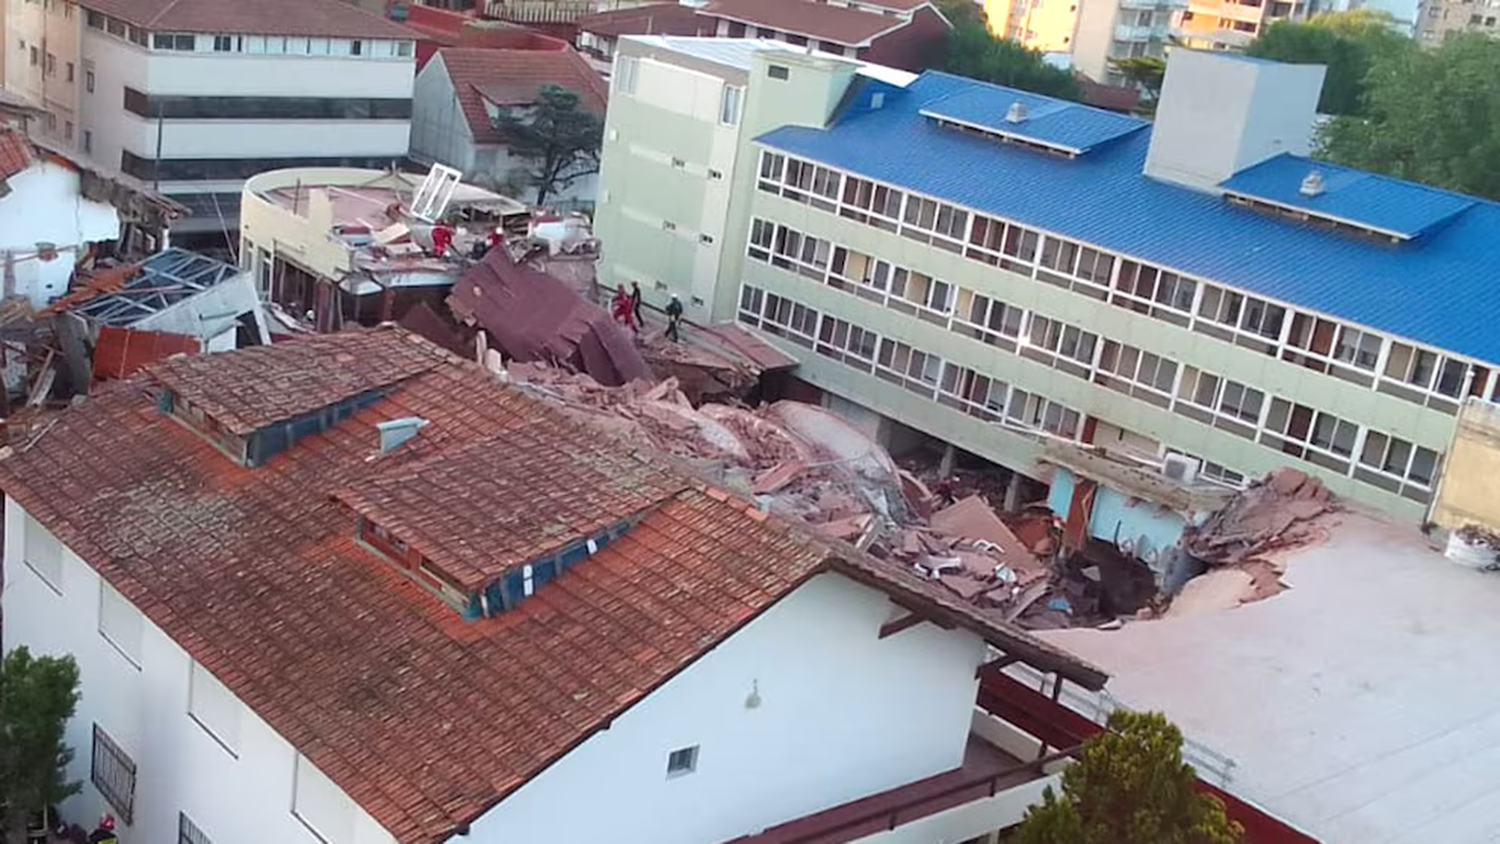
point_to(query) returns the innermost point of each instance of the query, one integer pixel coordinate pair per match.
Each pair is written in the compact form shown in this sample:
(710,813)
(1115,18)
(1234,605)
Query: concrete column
(945,466)
(1012,501)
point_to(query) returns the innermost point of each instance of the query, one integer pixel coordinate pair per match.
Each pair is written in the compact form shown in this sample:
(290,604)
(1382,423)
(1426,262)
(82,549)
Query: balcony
(1154,5)
(1127,32)
(989,792)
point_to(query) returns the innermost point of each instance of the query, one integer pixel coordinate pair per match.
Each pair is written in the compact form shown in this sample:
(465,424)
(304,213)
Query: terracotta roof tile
(425,719)
(515,76)
(328,18)
(839,25)
(16,153)
(267,384)
(651,19)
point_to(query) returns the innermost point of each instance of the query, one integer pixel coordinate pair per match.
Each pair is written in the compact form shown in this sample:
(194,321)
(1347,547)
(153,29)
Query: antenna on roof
(1312,184)
(1016,113)
(397,432)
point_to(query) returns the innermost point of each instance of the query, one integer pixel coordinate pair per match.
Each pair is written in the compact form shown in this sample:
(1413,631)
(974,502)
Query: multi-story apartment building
(1233,24)
(998,270)
(1090,32)
(1438,19)
(192,98)
(41,64)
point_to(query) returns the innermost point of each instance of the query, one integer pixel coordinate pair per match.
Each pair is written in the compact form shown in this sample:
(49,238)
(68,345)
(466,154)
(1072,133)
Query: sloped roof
(1103,198)
(839,25)
(651,19)
(16,152)
(425,720)
(514,77)
(325,18)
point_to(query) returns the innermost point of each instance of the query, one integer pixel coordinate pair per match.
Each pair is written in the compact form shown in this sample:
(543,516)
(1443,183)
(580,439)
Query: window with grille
(113,774)
(188,832)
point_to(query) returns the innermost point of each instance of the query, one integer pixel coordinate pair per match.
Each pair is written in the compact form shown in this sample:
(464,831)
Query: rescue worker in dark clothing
(105,834)
(635,303)
(674,317)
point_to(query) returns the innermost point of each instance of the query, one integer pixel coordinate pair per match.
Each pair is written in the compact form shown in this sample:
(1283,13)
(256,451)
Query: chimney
(1016,113)
(1221,113)
(397,432)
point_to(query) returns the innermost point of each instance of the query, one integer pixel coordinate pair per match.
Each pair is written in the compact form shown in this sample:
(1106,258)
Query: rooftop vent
(1016,113)
(397,432)
(1312,184)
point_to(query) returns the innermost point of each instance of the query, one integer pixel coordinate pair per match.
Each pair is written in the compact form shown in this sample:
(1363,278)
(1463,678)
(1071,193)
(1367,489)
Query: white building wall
(439,130)
(45,206)
(842,714)
(212,316)
(242,797)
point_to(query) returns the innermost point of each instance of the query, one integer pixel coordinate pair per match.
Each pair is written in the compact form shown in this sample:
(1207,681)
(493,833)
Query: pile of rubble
(1243,545)
(800,461)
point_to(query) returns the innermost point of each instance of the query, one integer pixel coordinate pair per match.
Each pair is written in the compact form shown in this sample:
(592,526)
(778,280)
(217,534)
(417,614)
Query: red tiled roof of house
(264,385)
(323,18)
(652,19)
(515,76)
(443,505)
(16,153)
(424,719)
(849,27)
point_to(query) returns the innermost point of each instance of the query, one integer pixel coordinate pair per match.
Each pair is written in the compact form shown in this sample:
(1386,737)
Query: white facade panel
(271,139)
(44,206)
(239,75)
(145,710)
(841,714)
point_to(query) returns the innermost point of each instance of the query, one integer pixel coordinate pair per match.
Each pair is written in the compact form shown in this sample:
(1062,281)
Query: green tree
(1130,786)
(962,11)
(1347,42)
(557,138)
(1432,116)
(37,698)
(1146,73)
(972,50)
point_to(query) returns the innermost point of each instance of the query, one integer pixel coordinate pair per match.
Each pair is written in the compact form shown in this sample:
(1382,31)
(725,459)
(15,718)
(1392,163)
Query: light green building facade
(999,338)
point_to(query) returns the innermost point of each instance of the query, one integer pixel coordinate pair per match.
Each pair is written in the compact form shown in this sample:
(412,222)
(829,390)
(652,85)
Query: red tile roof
(326,18)
(424,719)
(848,27)
(16,153)
(259,386)
(515,76)
(652,19)
(443,506)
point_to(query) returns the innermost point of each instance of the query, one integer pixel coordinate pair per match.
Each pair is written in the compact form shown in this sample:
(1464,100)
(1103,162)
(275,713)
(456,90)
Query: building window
(777,71)
(68,130)
(88,81)
(188,832)
(223,43)
(120,623)
(356,47)
(35,57)
(70,71)
(730,104)
(682,761)
(43,553)
(168,41)
(51,69)
(403,49)
(113,774)
(214,707)
(320,805)
(88,141)
(626,69)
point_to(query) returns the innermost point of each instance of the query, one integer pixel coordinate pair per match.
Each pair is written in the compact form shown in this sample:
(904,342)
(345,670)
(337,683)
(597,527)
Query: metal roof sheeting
(1436,289)
(1045,121)
(1353,196)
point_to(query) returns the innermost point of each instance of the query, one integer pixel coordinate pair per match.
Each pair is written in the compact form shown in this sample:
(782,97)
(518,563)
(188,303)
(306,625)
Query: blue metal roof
(1438,289)
(1354,196)
(1049,122)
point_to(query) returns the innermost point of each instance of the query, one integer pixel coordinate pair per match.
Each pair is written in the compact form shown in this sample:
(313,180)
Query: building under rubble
(331,247)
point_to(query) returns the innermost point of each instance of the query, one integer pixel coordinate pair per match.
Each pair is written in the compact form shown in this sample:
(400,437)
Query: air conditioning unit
(1180,468)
